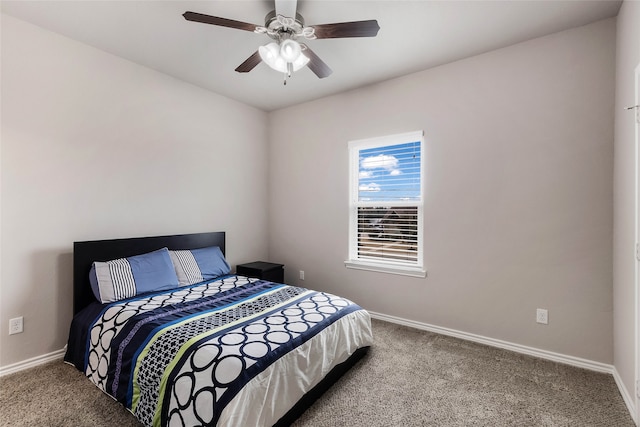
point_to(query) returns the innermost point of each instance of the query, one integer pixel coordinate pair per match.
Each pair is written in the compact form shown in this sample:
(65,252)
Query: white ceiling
(414,35)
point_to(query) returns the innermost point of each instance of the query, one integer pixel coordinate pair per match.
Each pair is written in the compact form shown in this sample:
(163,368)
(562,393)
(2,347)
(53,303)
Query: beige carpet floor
(408,378)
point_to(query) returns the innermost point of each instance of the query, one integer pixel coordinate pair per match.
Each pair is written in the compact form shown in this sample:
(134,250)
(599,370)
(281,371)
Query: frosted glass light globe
(290,50)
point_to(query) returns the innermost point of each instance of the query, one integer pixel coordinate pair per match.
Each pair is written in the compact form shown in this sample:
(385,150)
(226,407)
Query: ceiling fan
(284,25)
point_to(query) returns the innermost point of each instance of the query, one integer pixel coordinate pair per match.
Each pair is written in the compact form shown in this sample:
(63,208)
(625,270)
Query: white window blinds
(386,201)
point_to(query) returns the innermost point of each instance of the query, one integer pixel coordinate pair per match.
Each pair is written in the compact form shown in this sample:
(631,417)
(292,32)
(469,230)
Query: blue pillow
(127,277)
(197,265)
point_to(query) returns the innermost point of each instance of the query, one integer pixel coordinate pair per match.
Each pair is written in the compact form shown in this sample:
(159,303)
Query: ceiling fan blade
(316,64)
(347,29)
(250,63)
(222,22)
(286,8)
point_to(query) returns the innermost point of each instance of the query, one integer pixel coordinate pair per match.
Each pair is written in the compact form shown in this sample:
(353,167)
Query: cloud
(365,174)
(381,161)
(369,187)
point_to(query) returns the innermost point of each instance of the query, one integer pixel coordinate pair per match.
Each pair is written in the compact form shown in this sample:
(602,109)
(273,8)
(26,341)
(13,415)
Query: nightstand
(262,270)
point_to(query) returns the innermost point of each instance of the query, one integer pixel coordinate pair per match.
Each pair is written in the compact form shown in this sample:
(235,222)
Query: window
(386,198)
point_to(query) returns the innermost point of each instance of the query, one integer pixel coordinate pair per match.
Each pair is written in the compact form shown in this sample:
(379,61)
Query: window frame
(354,261)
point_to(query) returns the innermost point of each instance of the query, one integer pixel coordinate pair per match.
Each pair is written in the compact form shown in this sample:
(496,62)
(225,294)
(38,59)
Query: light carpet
(408,378)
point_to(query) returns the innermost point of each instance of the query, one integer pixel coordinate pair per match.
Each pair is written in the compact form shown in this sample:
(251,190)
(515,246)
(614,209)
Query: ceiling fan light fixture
(279,56)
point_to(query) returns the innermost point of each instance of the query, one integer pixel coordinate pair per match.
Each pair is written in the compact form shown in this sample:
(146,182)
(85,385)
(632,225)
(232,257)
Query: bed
(218,348)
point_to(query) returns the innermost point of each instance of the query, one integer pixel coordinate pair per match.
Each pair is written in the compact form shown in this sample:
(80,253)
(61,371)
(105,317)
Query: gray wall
(519,184)
(96,147)
(519,178)
(627,59)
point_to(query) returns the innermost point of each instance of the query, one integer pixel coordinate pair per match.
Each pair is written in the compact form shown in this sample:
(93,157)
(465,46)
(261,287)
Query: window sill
(387,268)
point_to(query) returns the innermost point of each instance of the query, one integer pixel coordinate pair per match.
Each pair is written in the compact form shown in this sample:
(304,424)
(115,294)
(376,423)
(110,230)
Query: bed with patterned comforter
(232,351)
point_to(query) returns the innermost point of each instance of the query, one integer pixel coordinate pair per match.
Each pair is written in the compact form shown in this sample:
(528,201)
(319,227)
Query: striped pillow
(197,265)
(127,277)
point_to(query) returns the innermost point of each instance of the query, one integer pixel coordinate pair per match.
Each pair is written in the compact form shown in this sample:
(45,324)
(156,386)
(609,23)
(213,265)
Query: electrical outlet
(16,325)
(301,275)
(542,316)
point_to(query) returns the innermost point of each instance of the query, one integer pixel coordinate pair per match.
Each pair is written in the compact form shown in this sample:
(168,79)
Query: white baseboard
(30,363)
(531,351)
(626,396)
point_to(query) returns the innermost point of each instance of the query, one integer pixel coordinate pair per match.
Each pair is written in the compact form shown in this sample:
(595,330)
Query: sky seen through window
(390,173)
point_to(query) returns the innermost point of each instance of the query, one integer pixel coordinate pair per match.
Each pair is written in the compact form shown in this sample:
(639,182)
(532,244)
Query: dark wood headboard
(85,253)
